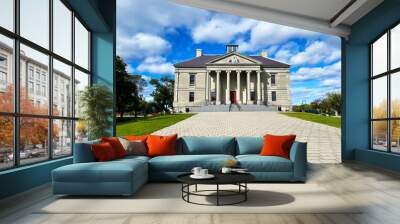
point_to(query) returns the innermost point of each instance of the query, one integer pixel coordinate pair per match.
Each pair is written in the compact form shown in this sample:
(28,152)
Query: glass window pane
(62,29)
(35,21)
(395,47)
(6,74)
(379,97)
(62,138)
(395,94)
(33,139)
(379,55)
(395,138)
(81,82)
(7,14)
(379,135)
(81,131)
(34,72)
(81,45)
(6,142)
(62,89)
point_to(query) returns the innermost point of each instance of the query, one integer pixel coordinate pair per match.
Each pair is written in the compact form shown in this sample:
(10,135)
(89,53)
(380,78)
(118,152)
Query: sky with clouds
(153,35)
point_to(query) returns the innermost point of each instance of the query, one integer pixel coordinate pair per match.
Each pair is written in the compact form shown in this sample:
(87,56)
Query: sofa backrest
(83,153)
(249,145)
(192,145)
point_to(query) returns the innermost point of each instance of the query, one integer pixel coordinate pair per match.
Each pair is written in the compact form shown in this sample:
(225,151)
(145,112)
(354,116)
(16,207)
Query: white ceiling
(325,16)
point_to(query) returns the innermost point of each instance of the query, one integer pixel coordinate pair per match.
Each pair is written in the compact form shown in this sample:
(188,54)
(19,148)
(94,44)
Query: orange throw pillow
(116,145)
(277,145)
(142,138)
(103,152)
(161,145)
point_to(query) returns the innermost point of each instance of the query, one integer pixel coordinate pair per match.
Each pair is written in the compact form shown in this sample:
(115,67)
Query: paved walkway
(323,141)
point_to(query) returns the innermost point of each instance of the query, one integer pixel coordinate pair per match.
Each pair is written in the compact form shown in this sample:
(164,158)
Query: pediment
(234,58)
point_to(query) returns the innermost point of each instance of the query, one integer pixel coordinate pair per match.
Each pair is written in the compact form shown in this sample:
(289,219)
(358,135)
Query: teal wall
(100,17)
(355,86)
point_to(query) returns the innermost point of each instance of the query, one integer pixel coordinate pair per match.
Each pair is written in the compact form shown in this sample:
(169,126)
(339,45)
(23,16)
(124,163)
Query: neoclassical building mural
(231,78)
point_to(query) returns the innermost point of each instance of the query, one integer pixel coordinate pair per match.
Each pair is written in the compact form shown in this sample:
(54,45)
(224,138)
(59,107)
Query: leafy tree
(33,131)
(129,88)
(335,102)
(97,102)
(163,93)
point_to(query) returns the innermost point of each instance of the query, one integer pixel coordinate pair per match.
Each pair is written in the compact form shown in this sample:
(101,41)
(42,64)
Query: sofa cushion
(116,145)
(112,171)
(185,163)
(248,145)
(103,152)
(275,145)
(161,145)
(257,163)
(195,145)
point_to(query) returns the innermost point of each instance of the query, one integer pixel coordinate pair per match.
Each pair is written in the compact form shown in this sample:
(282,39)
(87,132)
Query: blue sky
(152,35)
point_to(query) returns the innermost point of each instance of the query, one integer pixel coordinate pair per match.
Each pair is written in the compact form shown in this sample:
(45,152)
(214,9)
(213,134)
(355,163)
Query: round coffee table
(238,179)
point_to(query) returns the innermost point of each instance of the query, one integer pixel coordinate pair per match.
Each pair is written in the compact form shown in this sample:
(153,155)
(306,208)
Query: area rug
(166,198)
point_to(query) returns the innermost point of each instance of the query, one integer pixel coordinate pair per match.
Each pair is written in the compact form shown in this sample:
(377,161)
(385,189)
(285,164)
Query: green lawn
(144,126)
(331,121)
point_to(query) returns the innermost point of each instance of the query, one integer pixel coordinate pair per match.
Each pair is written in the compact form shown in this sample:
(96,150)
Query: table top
(220,178)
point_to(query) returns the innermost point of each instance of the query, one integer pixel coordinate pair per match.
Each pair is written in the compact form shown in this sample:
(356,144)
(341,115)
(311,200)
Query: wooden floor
(378,189)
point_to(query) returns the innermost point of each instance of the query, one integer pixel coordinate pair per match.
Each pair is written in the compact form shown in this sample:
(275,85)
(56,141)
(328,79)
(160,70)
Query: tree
(335,102)
(97,102)
(129,88)
(33,131)
(163,93)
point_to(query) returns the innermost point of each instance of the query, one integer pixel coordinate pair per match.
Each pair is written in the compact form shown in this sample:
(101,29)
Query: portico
(235,86)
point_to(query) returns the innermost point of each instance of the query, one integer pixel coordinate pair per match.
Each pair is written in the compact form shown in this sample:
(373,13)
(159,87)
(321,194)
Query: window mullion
(16,85)
(389,105)
(50,81)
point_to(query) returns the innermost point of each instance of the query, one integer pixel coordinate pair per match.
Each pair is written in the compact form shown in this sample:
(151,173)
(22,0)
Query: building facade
(231,78)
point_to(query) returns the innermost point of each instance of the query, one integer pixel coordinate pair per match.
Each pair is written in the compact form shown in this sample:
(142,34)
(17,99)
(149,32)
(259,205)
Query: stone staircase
(233,108)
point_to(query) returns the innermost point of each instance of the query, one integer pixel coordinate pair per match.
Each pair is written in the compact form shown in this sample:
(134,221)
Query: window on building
(385,93)
(273,96)
(30,73)
(273,81)
(192,79)
(56,129)
(191,96)
(3,61)
(3,78)
(30,87)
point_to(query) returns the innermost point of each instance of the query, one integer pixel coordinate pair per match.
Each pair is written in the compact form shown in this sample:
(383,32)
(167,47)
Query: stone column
(258,88)
(238,92)
(217,87)
(228,88)
(207,89)
(248,88)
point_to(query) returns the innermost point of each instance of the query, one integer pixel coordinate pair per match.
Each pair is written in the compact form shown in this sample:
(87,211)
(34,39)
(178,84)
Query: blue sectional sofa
(125,176)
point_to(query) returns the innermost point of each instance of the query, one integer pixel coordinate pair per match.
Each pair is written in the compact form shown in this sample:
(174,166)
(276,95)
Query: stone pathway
(324,142)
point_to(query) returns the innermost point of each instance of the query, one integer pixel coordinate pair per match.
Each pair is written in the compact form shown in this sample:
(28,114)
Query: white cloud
(141,45)
(155,16)
(156,65)
(330,82)
(316,52)
(265,34)
(221,28)
(311,73)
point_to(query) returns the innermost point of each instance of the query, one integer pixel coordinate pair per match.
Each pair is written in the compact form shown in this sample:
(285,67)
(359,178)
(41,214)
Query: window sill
(30,166)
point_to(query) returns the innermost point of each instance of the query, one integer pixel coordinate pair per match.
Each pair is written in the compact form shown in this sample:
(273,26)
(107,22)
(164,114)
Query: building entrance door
(233,97)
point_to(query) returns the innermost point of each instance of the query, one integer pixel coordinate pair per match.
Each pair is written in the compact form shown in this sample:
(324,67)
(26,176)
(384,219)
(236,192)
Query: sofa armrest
(298,155)
(83,152)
